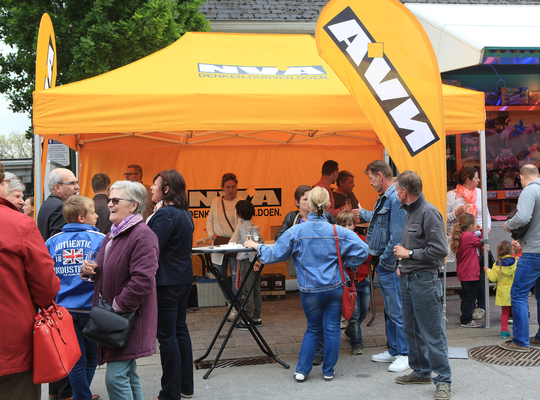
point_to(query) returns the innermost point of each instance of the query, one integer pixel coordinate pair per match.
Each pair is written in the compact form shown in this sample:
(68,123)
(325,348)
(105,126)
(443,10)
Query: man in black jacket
(101,185)
(62,184)
(421,254)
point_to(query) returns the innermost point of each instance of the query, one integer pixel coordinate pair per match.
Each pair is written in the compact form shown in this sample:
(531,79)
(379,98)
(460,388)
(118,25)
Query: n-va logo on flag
(383,80)
(72,256)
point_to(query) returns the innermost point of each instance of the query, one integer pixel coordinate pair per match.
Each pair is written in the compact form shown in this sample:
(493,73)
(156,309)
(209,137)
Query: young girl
(464,244)
(503,273)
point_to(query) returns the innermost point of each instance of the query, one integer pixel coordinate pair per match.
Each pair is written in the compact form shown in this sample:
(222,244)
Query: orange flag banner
(383,56)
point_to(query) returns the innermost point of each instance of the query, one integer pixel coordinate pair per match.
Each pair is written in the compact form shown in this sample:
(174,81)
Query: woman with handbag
(221,224)
(173,225)
(125,279)
(316,258)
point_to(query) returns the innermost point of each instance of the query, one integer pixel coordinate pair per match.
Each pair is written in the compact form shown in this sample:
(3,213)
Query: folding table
(235,302)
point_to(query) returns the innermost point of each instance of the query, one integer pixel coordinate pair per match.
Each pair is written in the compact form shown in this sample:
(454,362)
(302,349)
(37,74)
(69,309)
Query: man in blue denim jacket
(385,230)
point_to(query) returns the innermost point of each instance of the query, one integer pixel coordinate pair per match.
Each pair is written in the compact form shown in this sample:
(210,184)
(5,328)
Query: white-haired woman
(313,248)
(127,264)
(16,189)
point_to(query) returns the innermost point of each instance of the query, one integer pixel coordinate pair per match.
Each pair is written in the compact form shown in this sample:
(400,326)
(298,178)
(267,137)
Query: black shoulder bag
(107,327)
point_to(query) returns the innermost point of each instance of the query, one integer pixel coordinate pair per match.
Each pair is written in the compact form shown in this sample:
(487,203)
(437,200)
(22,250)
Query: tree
(92,37)
(15,145)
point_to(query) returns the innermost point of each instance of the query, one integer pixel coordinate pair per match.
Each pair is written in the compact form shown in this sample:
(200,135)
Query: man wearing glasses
(62,184)
(134,173)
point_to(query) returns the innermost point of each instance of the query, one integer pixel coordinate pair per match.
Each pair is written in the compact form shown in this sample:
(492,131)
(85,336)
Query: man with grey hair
(528,266)
(420,255)
(62,184)
(343,194)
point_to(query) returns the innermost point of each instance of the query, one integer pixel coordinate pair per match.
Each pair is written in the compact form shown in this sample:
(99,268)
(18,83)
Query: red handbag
(56,348)
(348,301)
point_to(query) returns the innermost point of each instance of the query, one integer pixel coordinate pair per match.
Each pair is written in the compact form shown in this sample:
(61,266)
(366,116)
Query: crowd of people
(141,237)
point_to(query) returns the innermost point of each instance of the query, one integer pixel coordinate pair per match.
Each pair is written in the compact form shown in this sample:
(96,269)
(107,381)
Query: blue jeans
(360,312)
(174,342)
(537,295)
(527,273)
(469,289)
(389,285)
(122,381)
(83,372)
(223,271)
(421,293)
(323,314)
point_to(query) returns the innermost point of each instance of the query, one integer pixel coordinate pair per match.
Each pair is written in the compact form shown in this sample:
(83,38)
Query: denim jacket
(313,248)
(386,223)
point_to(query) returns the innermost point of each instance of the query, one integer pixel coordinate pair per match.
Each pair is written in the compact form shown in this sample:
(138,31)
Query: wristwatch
(411,252)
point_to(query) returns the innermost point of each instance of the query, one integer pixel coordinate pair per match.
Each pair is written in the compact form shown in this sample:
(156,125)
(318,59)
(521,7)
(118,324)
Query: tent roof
(169,97)
(460,32)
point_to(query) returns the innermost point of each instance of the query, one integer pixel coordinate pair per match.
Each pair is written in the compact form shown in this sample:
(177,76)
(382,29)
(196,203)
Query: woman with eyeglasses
(127,264)
(16,190)
(172,223)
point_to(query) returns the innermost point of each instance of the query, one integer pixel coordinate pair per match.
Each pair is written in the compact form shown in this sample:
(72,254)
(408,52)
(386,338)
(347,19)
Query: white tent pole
(483,171)
(38,195)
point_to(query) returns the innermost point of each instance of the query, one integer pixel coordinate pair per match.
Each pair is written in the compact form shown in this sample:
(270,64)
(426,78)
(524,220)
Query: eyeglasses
(116,200)
(130,173)
(69,183)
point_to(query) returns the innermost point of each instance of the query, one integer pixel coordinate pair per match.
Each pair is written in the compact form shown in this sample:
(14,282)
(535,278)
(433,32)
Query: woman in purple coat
(127,263)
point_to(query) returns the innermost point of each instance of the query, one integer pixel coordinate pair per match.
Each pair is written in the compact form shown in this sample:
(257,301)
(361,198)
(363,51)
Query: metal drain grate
(496,355)
(235,362)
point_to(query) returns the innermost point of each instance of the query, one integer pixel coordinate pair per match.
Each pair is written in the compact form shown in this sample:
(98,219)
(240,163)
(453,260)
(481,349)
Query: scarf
(470,198)
(115,230)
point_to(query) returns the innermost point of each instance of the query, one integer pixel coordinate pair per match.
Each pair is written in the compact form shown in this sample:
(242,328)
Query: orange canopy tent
(266,107)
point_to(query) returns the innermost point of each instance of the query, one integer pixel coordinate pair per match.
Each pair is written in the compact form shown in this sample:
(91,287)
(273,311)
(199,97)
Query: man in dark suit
(62,184)
(101,185)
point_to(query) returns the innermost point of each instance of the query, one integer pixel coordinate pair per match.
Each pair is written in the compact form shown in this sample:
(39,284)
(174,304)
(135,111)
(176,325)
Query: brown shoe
(95,396)
(412,379)
(511,346)
(534,342)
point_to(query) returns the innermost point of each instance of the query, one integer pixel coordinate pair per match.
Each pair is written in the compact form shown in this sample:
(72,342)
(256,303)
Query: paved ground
(356,376)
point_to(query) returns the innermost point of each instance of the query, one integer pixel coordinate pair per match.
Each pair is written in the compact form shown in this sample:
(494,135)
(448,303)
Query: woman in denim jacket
(313,248)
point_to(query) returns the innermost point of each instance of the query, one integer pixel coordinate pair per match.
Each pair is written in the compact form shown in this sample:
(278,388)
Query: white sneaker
(232,315)
(401,364)
(478,313)
(385,357)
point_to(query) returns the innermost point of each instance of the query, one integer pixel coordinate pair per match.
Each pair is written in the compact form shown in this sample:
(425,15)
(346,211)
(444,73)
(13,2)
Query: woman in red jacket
(28,282)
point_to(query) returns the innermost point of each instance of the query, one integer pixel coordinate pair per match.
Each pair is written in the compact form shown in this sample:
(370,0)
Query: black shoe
(241,326)
(256,322)
(318,360)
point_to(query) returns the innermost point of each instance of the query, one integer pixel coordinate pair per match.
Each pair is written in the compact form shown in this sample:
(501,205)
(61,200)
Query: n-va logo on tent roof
(383,80)
(261,70)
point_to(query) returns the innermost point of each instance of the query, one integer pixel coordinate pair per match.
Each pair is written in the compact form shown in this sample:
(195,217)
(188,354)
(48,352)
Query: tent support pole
(38,188)
(483,171)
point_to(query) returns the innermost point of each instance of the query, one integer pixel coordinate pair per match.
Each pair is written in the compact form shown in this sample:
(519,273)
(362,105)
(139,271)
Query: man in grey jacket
(421,254)
(528,267)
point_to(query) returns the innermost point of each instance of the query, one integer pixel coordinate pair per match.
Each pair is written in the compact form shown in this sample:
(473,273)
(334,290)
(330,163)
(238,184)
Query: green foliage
(92,37)
(15,145)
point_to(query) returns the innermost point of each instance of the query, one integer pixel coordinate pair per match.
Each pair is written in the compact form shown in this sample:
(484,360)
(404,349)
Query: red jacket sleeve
(43,284)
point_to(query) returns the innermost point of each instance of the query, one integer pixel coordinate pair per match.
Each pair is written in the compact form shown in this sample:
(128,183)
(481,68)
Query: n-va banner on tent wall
(383,56)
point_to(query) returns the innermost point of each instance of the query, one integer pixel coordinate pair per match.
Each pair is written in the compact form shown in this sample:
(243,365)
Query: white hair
(54,177)
(15,183)
(134,191)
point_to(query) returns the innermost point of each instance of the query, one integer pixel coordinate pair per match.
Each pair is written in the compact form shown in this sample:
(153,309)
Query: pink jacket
(468,265)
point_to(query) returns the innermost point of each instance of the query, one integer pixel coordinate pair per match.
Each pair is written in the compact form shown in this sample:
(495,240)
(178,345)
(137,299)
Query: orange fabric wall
(261,167)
